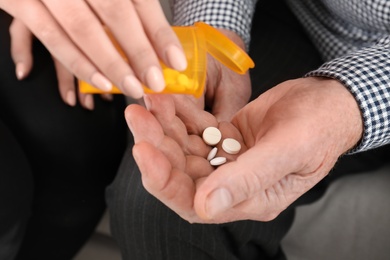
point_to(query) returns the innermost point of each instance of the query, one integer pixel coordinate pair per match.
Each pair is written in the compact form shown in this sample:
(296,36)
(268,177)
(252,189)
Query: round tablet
(231,146)
(211,135)
(212,153)
(218,161)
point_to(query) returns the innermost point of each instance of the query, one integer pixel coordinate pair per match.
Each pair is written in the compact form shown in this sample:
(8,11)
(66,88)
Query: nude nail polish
(20,70)
(71,98)
(88,102)
(176,58)
(155,79)
(132,87)
(101,82)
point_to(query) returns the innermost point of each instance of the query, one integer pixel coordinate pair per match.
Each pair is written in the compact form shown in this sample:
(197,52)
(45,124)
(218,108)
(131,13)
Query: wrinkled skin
(291,137)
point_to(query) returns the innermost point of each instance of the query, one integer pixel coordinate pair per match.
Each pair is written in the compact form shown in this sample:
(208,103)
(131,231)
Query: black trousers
(55,160)
(146,229)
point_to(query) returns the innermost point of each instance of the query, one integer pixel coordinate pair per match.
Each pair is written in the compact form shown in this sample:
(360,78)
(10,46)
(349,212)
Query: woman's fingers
(160,34)
(51,34)
(86,31)
(21,44)
(66,84)
(138,36)
(75,33)
(132,33)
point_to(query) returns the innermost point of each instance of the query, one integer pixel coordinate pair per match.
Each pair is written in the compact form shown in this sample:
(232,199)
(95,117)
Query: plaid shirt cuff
(234,15)
(366,73)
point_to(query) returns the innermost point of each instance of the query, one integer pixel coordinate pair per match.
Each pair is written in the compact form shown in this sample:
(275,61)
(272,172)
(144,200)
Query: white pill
(212,153)
(231,146)
(218,161)
(211,135)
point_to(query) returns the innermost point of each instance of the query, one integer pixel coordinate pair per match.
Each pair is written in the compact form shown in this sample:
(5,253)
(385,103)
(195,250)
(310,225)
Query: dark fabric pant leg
(146,229)
(73,153)
(16,190)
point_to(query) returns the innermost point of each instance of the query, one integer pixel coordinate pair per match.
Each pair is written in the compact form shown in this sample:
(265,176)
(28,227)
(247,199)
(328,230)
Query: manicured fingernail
(101,82)
(20,70)
(176,58)
(71,98)
(155,79)
(218,201)
(130,125)
(148,102)
(132,87)
(107,97)
(88,102)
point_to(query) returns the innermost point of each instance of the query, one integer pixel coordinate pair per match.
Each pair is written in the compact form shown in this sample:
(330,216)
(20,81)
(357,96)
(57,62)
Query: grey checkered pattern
(366,73)
(353,36)
(338,27)
(234,15)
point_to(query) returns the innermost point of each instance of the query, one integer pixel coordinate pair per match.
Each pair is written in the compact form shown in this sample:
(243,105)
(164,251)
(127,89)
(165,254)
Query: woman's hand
(21,52)
(291,137)
(74,34)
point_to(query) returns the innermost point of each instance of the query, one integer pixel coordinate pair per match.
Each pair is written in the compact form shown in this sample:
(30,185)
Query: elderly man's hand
(291,137)
(226,91)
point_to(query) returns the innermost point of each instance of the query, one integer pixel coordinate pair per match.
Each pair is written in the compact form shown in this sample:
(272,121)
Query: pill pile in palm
(212,136)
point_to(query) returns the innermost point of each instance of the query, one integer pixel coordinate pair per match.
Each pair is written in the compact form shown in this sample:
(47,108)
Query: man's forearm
(366,73)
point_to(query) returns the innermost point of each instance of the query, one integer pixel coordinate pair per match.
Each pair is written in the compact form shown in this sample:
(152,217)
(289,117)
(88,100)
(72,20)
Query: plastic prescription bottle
(197,41)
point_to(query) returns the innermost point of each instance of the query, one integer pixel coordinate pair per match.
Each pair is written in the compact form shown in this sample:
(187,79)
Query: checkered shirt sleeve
(353,36)
(366,73)
(234,15)
(337,27)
